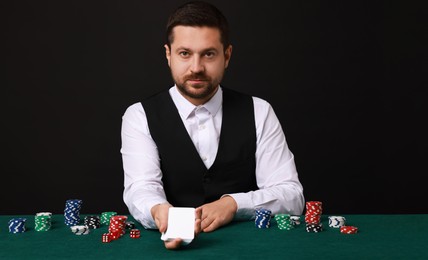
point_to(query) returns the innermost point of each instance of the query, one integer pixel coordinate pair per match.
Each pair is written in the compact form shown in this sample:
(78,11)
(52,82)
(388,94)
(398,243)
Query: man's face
(197,61)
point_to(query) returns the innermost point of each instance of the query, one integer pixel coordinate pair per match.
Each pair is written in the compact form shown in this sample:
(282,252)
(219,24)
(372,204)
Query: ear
(168,54)
(227,56)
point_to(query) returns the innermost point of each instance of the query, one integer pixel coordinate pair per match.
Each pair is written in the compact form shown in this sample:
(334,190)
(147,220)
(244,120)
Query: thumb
(162,226)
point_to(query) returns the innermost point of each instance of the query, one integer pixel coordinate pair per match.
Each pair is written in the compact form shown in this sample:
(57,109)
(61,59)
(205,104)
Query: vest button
(207,180)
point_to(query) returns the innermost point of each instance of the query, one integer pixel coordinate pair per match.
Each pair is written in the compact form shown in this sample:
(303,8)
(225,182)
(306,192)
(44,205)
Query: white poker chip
(49,214)
(80,229)
(295,220)
(336,221)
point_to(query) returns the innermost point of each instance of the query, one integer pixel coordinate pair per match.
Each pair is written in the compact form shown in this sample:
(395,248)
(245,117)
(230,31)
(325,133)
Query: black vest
(186,180)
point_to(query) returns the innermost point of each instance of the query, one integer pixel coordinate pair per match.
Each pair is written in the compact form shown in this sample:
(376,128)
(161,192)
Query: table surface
(379,237)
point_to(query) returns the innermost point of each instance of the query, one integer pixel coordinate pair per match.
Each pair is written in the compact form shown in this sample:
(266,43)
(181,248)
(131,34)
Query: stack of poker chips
(105,217)
(263,217)
(43,221)
(93,222)
(284,221)
(295,220)
(17,225)
(129,225)
(134,233)
(117,226)
(313,216)
(348,230)
(313,212)
(313,228)
(80,229)
(336,221)
(72,212)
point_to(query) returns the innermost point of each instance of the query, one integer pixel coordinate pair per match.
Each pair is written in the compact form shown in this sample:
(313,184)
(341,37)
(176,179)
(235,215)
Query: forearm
(286,198)
(140,201)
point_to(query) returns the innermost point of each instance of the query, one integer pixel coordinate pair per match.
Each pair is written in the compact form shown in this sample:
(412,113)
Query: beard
(202,90)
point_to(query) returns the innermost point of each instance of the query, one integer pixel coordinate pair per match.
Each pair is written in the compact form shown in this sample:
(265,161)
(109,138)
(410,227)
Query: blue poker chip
(17,225)
(262,218)
(72,212)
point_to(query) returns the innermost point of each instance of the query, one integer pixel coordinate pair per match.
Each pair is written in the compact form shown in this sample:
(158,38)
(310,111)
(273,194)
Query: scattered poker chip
(80,229)
(336,221)
(348,230)
(314,228)
(17,225)
(263,217)
(43,221)
(93,222)
(135,233)
(72,212)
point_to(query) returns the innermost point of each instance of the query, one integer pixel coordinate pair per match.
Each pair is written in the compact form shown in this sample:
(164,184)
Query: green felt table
(379,237)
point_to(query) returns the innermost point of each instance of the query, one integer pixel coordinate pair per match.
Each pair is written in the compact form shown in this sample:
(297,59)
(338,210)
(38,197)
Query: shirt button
(204,158)
(201,127)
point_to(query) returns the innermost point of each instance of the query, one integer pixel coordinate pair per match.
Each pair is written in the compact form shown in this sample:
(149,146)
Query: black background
(347,80)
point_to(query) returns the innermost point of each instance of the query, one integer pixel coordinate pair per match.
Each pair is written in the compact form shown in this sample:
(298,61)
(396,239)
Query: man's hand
(160,215)
(217,213)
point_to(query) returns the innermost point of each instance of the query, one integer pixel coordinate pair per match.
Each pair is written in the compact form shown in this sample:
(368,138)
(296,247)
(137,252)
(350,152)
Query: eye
(210,54)
(184,54)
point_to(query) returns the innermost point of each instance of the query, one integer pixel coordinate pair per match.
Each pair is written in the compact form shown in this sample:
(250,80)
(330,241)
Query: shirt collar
(185,108)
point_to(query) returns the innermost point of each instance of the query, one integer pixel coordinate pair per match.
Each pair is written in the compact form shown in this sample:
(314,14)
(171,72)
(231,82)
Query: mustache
(197,76)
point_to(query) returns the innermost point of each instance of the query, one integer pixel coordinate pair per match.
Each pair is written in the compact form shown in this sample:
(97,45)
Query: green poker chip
(43,221)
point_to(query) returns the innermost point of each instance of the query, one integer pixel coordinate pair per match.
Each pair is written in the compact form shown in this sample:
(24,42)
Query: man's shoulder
(258,101)
(157,95)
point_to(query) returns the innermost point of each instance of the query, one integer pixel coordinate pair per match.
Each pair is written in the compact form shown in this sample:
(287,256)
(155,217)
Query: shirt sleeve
(143,186)
(279,187)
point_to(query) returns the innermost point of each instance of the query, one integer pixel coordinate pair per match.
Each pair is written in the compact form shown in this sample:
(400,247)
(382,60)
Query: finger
(206,223)
(198,226)
(173,244)
(211,227)
(160,215)
(163,225)
(204,211)
(198,213)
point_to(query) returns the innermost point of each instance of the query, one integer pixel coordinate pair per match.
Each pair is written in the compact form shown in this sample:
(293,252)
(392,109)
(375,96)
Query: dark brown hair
(198,14)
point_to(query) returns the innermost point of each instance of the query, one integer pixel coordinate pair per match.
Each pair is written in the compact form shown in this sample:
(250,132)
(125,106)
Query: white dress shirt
(279,187)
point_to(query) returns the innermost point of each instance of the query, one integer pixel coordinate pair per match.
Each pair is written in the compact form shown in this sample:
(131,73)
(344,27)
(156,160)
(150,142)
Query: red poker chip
(313,218)
(117,226)
(348,229)
(313,204)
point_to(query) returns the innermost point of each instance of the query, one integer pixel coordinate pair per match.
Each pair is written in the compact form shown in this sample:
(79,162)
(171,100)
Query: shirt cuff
(145,208)
(245,209)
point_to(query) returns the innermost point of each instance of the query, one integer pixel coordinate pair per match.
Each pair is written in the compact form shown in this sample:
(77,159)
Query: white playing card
(181,224)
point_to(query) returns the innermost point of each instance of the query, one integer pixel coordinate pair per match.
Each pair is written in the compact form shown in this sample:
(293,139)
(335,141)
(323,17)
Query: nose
(197,65)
